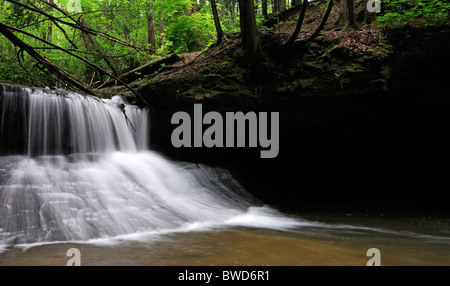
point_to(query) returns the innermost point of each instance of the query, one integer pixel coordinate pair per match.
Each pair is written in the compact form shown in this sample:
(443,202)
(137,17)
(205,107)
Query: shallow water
(319,244)
(85,180)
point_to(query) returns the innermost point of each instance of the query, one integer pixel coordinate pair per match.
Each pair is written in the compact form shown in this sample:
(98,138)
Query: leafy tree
(400,12)
(52,43)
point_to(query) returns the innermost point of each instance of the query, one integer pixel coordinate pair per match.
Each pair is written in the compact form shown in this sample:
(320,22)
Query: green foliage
(399,12)
(177,27)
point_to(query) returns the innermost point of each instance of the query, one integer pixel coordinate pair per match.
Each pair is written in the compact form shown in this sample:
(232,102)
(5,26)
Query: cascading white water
(84,173)
(55,122)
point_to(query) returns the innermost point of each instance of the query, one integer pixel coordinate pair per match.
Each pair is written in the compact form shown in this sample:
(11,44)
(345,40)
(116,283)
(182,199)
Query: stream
(76,172)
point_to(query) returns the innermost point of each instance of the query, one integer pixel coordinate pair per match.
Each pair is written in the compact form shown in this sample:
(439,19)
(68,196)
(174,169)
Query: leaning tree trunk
(316,31)
(217,22)
(299,23)
(321,25)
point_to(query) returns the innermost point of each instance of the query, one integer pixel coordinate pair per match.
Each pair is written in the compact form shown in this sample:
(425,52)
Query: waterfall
(46,122)
(74,169)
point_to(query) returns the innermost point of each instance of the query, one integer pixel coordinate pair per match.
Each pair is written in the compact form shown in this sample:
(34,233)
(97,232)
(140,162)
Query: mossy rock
(339,52)
(325,41)
(211,80)
(242,98)
(228,87)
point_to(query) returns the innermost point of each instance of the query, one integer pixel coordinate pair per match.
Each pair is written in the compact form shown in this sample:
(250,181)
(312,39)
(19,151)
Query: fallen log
(148,68)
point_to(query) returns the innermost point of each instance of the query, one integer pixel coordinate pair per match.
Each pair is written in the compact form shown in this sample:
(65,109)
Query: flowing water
(76,172)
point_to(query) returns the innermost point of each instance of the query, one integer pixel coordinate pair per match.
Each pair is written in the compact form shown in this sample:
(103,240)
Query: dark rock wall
(379,143)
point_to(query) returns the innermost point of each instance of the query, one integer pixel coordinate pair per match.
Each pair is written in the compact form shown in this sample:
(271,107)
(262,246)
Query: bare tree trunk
(194,45)
(299,23)
(264,8)
(50,26)
(50,31)
(349,16)
(282,5)
(222,9)
(316,31)
(91,45)
(321,25)
(161,31)
(275,6)
(10,50)
(151,33)
(219,30)
(231,8)
(85,36)
(340,19)
(368,16)
(295,2)
(249,32)
(2,8)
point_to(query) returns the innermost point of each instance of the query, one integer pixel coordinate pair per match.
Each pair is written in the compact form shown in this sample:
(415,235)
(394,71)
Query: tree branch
(299,23)
(5,30)
(321,25)
(59,72)
(76,26)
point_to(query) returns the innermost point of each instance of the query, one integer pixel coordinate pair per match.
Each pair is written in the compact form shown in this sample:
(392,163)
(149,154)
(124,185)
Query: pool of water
(336,240)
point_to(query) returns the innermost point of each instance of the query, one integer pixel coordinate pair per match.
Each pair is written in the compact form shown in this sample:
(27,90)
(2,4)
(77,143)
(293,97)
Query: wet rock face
(420,58)
(363,138)
(1,105)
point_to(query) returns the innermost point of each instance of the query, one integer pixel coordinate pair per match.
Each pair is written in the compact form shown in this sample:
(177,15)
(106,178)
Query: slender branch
(86,53)
(65,34)
(103,83)
(219,30)
(59,72)
(79,27)
(19,55)
(299,23)
(321,25)
(83,25)
(5,30)
(73,15)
